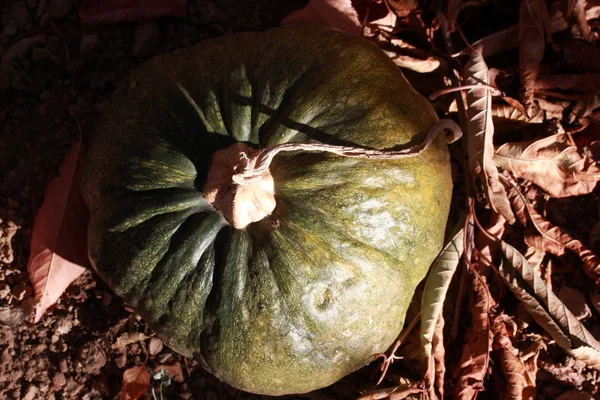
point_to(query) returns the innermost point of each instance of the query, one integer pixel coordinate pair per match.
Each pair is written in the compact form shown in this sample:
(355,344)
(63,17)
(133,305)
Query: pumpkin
(312,290)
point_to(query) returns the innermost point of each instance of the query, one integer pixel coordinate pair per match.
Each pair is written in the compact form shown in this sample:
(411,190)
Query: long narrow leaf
(436,288)
(480,130)
(543,305)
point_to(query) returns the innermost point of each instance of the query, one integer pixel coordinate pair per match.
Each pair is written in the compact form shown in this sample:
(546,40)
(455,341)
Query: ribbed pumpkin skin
(300,299)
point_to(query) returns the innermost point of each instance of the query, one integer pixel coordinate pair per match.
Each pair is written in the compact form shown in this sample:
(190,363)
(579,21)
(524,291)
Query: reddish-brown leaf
(436,370)
(58,241)
(519,384)
(136,381)
(582,23)
(551,163)
(475,358)
(480,130)
(554,239)
(94,12)
(531,44)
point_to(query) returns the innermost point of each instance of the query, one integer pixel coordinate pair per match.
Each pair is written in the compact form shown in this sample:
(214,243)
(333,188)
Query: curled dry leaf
(480,137)
(582,23)
(551,163)
(543,305)
(58,240)
(93,12)
(393,393)
(475,358)
(136,381)
(554,239)
(436,288)
(531,44)
(434,294)
(519,384)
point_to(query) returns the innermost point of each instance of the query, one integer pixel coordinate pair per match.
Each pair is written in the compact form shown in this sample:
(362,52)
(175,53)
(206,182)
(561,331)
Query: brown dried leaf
(136,381)
(505,111)
(58,241)
(129,338)
(551,163)
(436,287)
(584,83)
(480,130)
(582,24)
(343,15)
(554,239)
(434,377)
(474,361)
(531,44)
(543,305)
(519,385)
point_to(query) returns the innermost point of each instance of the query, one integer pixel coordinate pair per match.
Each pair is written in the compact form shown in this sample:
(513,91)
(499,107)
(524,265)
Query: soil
(83,344)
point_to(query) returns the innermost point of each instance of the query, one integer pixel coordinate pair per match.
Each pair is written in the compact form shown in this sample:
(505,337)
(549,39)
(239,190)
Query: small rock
(4,290)
(63,366)
(155,345)
(575,302)
(30,393)
(63,326)
(88,43)
(147,35)
(59,380)
(60,8)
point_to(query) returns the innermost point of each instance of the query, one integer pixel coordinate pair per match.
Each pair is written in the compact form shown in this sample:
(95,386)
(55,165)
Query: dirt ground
(81,347)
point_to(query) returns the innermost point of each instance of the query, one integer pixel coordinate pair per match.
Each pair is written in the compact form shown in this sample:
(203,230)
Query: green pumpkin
(309,294)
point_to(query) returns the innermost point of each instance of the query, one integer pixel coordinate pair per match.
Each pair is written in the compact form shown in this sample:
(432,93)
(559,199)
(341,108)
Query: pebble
(89,42)
(4,290)
(147,35)
(63,327)
(30,393)
(60,8)
(59,380)
(155,345)
(575,302)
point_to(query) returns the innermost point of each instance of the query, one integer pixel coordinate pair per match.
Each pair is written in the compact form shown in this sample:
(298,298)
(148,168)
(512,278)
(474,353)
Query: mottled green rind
(299,300)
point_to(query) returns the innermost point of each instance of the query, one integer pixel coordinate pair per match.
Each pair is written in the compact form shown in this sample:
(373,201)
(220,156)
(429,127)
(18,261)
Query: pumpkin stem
(240,186)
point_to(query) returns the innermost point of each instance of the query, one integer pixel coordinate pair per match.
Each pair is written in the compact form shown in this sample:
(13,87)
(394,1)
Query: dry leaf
(553,239)
(584,83)
(129,338)
(519,384)
(551,163)
(336,14)
(94,12)
(474,361)
(136,381)
(543,305)
(480,138)
(392,393)
(582,24)
(434,294)
(13,316)
(532,16)
(58,240)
